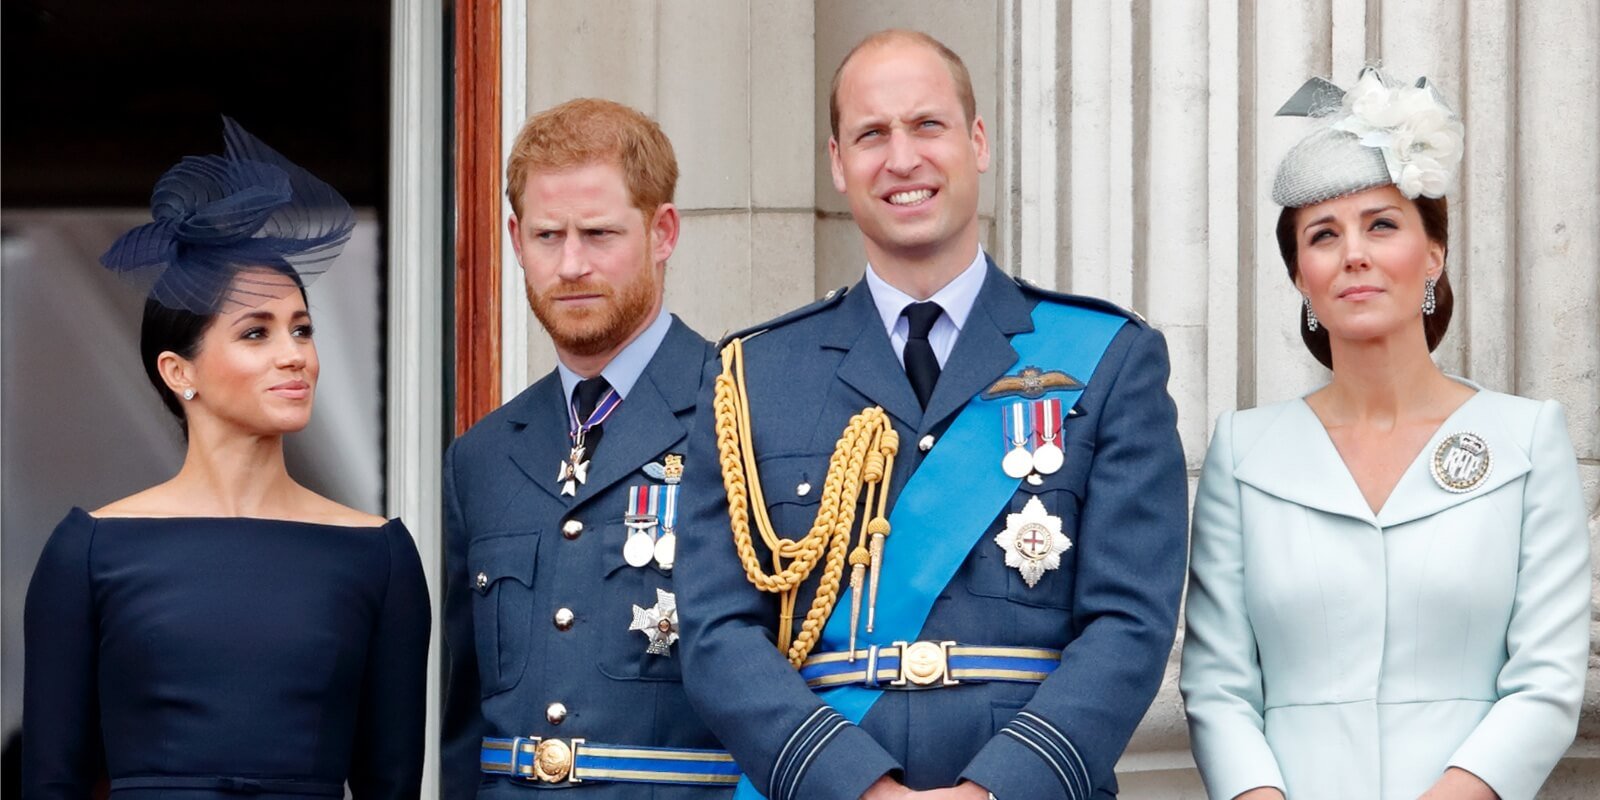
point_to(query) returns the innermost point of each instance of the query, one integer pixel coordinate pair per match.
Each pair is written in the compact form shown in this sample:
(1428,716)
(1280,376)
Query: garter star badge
(659,623)
(1033,541)
(1461,462)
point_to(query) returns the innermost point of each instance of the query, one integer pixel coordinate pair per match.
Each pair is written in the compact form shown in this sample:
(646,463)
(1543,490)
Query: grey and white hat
(1376,134)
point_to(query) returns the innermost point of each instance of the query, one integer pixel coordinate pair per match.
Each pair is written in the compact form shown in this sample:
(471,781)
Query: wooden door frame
(477,119)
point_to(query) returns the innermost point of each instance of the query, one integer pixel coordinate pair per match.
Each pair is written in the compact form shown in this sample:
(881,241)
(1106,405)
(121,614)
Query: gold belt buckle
(554,760)
(924,664)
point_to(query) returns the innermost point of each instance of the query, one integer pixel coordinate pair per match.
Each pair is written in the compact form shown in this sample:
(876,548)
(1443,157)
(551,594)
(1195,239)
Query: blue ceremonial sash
(934,528)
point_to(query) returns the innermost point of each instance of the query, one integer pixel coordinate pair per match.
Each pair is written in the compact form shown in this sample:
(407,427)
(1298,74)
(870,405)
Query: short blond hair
(958,70)
(589,130)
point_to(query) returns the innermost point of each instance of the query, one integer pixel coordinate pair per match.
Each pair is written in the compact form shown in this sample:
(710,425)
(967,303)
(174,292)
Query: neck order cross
(575,468)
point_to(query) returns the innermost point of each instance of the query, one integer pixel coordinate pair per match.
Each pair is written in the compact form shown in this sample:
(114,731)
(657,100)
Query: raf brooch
(659,623)
(1033,541)
(1461,462)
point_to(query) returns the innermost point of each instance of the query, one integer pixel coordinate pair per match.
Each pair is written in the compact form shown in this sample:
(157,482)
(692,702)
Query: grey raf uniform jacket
(538,553)
(1111,607)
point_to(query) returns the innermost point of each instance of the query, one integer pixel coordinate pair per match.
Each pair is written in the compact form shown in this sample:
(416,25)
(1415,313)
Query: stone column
(730,82)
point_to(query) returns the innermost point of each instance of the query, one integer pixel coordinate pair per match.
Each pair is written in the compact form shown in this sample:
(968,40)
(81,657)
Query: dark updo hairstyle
(179,331)
(1435,212)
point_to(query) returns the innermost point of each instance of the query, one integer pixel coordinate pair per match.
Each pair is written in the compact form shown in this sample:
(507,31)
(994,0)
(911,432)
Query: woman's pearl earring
(188,394)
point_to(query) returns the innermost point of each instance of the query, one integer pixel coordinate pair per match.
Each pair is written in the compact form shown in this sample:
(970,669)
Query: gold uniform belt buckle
(553,759)
(924,664)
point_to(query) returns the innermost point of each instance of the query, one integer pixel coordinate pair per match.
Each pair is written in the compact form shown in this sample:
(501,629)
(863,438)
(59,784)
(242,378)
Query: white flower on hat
(1420,138)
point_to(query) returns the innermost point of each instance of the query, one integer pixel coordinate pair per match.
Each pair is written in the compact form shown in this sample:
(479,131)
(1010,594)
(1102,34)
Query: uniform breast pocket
(1034,549)
(501,570)
(624,651)
(792,488)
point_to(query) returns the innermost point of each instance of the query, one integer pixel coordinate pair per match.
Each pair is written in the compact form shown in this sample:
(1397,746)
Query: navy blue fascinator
(223,225)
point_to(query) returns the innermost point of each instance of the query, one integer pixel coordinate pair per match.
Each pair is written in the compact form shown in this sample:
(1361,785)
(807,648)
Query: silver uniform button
(555,713)
(483,580)
(564,618)
(572,528)
(925,443)
(803,489)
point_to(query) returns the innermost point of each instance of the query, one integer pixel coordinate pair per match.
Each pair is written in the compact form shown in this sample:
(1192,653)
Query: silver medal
(638,549)
(666,550)
(1048,459)
(1017,463)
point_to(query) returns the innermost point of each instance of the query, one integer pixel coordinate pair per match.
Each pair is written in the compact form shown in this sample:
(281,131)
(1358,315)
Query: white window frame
(416,334)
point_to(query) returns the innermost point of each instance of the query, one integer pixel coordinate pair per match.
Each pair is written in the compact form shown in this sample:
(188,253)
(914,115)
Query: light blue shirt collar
(626,367)
(956,298)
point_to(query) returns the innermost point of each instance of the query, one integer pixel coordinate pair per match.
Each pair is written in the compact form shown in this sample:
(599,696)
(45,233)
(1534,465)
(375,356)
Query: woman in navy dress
(228,631)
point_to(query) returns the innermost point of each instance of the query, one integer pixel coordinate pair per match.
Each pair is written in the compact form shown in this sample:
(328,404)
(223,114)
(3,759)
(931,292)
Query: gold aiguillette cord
(863,456)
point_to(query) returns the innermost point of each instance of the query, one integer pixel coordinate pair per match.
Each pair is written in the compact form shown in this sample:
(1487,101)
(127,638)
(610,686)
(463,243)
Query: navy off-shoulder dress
(219,657)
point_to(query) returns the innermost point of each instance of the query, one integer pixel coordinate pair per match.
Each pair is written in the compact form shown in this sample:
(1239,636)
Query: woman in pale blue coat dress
(1390,577)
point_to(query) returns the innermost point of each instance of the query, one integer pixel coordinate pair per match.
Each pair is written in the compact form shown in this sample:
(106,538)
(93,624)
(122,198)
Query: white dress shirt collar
(628,365)
(956,298)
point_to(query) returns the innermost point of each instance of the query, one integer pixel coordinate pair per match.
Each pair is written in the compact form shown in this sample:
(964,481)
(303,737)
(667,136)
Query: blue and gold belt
(554,761)
(926,665)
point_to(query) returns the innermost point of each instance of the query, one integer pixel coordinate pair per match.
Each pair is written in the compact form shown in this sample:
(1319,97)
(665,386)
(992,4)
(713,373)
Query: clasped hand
(887,788)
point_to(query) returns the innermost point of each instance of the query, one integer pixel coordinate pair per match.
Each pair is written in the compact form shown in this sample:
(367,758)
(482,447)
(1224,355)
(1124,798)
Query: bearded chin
(599,330)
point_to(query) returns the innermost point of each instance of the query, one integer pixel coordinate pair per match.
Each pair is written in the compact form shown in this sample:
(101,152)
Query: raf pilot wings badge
(1032,383)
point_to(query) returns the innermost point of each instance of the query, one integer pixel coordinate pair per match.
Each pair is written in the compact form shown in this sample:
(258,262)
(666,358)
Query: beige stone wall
(741,88)
(1133,146)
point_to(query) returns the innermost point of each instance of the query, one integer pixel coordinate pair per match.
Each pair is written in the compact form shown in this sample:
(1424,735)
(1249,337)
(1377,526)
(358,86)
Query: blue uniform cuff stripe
(1052,751)
(1064,741)
(839,724)
(1069,786)
(799,749)
(779,763)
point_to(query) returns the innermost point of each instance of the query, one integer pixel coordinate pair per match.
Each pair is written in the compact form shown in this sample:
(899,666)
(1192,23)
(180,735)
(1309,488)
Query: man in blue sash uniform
(560,507)
(1000,607)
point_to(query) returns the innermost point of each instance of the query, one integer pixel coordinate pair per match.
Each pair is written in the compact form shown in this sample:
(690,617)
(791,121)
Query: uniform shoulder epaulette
(1081,300)
(827,301)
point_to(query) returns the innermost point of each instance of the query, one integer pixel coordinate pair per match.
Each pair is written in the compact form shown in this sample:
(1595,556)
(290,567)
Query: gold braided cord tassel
(864,454)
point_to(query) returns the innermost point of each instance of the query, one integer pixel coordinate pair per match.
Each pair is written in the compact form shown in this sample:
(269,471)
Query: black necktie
(587,395)
(922,368)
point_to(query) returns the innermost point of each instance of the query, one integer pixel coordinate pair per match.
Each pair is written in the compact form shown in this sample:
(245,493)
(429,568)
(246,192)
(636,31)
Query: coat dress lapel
(1418,495)
(1295,460)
